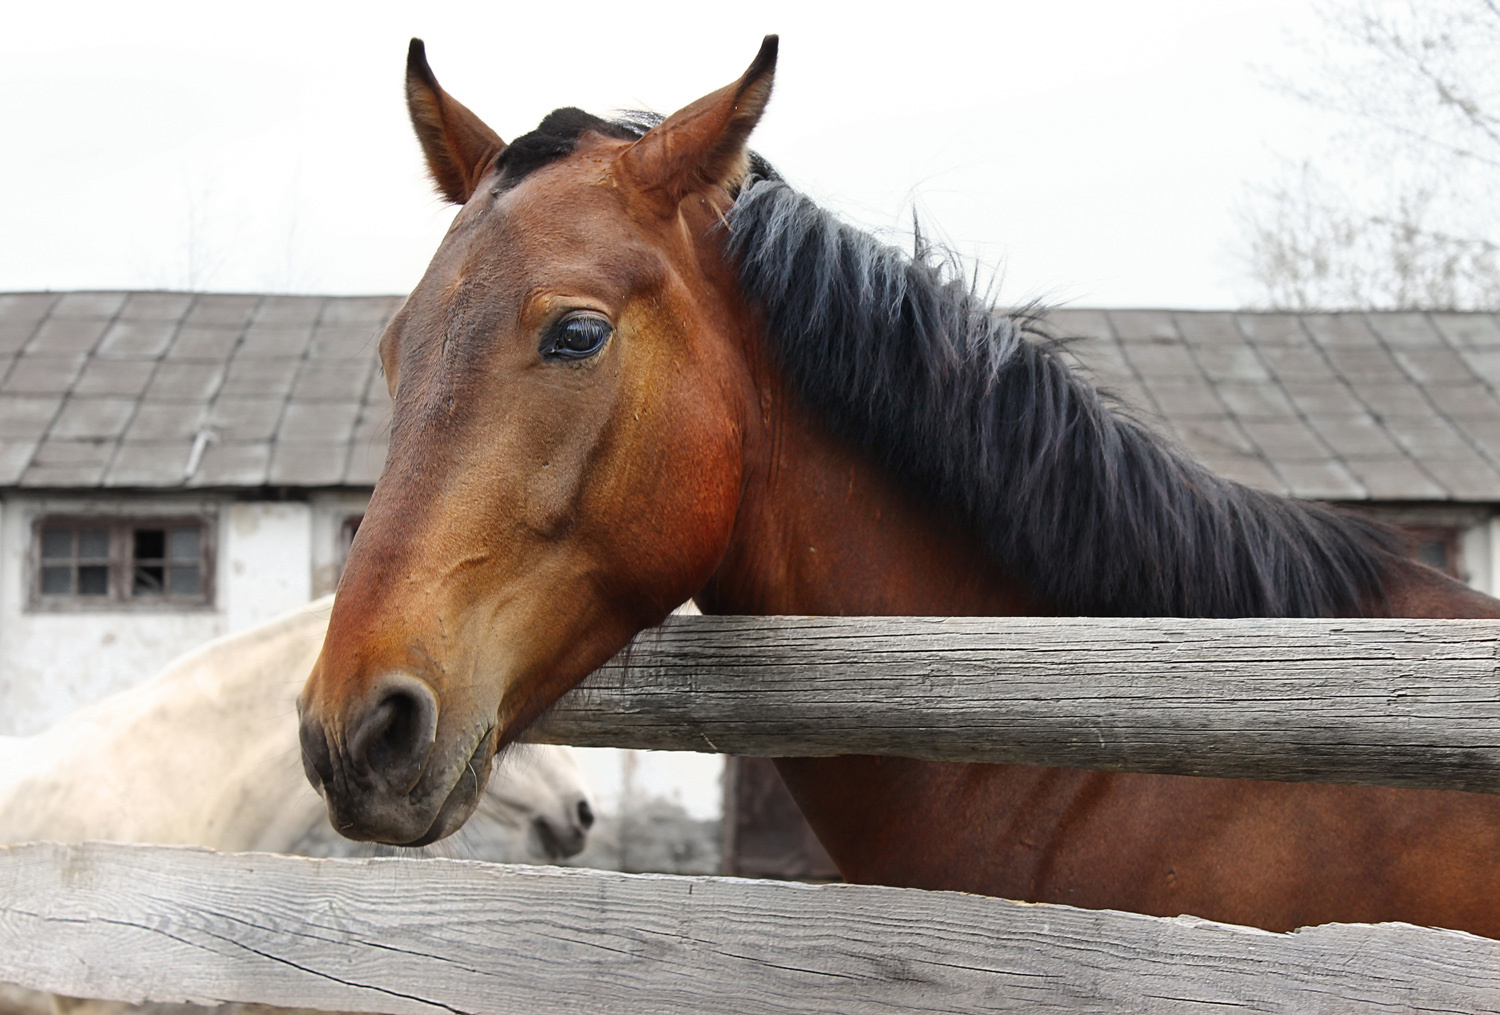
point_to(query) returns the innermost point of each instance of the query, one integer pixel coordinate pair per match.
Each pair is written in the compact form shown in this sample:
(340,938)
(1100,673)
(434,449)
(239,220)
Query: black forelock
(557,136)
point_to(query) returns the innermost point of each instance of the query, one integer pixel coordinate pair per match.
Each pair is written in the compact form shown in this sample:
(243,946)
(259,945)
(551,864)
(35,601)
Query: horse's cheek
(710,499)
(660,507)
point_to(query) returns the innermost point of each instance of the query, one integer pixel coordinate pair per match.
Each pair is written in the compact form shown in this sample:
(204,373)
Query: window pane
(93,580)
(183,544)
(184,581)
(150,544)
(1434,553)
(57,544)
(57,581)
(147,580)
(93,544)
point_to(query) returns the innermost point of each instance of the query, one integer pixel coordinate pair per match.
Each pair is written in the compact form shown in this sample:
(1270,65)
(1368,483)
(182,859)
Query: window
(1436,546)
(113,563)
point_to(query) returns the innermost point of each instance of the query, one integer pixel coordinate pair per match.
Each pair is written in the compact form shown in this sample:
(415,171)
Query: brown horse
(641,368)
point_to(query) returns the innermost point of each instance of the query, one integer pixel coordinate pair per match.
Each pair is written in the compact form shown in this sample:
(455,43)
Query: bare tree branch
(1403,210)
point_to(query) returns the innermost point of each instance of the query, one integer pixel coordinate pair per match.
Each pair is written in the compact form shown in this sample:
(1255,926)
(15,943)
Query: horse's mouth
(372,813)
(462,799)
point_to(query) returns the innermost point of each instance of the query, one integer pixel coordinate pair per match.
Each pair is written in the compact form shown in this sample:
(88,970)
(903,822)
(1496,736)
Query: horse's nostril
(391,742)
(585,814)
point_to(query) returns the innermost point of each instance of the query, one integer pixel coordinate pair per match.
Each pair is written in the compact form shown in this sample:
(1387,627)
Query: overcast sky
(1097,151)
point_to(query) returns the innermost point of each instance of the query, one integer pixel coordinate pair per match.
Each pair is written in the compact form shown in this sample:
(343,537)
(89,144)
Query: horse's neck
(822,530)
(1416,591)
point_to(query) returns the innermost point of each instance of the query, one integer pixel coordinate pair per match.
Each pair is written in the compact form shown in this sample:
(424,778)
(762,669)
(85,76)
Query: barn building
(176,466)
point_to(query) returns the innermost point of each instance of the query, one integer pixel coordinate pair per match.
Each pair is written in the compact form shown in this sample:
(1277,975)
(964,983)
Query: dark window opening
(166,562)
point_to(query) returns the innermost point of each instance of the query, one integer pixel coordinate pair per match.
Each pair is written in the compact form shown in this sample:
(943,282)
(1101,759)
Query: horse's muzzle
(380,782)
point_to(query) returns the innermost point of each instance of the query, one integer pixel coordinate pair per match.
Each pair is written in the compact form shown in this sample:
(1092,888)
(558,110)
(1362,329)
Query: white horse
(205,753)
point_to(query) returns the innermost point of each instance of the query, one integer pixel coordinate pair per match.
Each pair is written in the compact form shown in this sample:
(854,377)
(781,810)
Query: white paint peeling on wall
(330,511)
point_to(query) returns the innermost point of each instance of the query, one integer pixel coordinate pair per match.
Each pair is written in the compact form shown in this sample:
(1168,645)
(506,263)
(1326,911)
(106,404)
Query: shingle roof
(1331,406)
(112,389)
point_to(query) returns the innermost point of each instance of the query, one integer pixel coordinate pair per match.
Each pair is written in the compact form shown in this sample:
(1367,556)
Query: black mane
(976,411)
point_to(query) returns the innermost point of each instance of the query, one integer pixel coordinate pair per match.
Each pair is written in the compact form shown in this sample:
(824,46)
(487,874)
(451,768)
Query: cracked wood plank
(426,937)
(1378,702)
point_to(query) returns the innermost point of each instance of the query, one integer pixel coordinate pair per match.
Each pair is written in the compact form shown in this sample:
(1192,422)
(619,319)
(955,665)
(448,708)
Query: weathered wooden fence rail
(411,937)
(1402,703)
(1381,702)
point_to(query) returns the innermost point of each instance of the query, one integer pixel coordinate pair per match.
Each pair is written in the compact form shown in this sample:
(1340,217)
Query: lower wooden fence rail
(414,937)
(1401,703)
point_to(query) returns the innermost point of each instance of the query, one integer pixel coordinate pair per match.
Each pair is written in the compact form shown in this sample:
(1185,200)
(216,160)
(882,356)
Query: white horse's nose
(557,839)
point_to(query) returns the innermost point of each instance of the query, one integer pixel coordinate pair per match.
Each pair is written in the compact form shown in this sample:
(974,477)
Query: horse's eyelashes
(576,336)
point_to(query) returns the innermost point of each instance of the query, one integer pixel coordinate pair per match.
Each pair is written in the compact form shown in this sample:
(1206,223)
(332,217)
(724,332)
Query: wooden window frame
(119,598)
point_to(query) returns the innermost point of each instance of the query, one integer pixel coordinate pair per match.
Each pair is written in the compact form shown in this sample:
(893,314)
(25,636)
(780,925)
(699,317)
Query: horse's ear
(458,145)
(702,145)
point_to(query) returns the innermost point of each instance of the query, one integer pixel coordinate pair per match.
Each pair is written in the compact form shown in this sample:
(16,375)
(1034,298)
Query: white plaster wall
(50,663)
(265,561)
(1479,534)
(621,779)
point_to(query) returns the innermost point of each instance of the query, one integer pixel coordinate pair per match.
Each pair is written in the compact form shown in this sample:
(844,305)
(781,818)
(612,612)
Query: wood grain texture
(413,937)
(1378,702)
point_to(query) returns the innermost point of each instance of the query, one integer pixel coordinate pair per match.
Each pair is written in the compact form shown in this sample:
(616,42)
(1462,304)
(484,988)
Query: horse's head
(571,392)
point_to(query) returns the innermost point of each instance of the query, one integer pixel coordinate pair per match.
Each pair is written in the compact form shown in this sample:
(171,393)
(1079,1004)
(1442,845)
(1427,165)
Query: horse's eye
(577,336)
